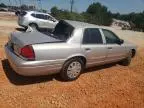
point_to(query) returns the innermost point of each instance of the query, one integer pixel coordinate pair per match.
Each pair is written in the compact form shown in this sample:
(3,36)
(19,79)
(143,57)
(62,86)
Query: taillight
(28,52)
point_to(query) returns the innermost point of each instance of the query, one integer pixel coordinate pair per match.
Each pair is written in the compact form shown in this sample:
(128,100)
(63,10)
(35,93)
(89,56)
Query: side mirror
(121,41)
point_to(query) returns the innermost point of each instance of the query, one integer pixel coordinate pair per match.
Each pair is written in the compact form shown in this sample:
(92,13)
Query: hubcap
(74,69)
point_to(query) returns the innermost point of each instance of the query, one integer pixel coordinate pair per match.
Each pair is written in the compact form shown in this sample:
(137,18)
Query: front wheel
(72,69)
(127,60)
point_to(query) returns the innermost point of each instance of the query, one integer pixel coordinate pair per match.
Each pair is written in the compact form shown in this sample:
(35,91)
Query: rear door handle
(87,49)
(109,47)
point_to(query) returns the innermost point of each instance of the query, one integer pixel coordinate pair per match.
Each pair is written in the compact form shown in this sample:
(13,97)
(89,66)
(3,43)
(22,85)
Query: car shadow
(20,29)
(100,67)
(17,79)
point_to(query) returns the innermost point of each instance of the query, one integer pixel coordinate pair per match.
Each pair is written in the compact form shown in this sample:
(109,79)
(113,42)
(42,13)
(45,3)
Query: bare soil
(108,86)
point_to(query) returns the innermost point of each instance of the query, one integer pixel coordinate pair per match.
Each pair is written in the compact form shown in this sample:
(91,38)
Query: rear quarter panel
(56,51)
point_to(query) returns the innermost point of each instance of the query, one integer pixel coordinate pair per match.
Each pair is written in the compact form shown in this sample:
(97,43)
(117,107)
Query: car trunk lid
(18,40)
(34,37)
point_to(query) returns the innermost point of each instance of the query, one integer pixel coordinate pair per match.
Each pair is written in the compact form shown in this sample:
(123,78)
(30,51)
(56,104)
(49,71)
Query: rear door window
(47,17)
(39,16)
(92,36)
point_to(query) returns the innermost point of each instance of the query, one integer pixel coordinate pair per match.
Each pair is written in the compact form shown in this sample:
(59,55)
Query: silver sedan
(72,47)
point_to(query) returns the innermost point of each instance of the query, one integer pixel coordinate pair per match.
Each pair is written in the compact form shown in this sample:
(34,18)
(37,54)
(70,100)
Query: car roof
(78,24)
(37,12)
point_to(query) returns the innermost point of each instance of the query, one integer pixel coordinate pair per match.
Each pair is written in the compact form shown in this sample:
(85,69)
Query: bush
(95,14)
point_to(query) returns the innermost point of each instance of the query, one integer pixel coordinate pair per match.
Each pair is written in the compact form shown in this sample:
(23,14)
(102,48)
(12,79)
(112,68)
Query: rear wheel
(25,28)
(72,69)
(34,26)
(127,60)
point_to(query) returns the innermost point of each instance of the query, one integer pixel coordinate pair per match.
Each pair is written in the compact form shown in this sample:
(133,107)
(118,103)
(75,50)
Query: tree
(98,14)
(24,7)
(136,20)
(54,11)
(3,5)
(65,14)
(31,7)
(116,15)
(43,10)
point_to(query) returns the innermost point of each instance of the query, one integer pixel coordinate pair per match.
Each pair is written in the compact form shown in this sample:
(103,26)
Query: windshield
(63,31)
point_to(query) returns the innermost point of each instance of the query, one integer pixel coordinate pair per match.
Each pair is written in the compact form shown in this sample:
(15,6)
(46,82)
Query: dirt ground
(109,86)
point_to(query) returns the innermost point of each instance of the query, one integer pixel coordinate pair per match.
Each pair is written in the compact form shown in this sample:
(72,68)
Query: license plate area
(13,47)
(16,49)
(10,45)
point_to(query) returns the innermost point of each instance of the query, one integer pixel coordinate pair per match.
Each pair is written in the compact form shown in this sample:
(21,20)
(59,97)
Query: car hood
(33,37)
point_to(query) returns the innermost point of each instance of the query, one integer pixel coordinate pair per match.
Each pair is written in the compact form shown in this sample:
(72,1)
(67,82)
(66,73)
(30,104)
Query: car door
(50,22)
(93,46)
(116,51)
(41,20)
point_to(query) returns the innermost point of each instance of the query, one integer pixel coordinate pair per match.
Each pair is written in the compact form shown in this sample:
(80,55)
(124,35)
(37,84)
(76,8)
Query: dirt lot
(109,86)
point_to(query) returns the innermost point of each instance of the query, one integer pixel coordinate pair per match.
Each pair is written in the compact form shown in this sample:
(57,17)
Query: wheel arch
(133,52)
(79,56)
(33,23)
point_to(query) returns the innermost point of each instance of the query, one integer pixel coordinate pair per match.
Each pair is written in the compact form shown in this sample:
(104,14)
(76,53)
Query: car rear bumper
(31,68)
(22,24)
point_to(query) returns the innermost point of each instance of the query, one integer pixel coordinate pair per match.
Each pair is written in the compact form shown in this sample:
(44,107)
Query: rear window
(42,16)
(63,30)
(92,36)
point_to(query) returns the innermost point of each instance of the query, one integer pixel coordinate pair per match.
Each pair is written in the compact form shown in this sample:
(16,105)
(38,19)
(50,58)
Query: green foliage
(54,11)
(43,10)
(64,14)
(136,19)
(95,14)
(24,7)
(2,5)
(98,14)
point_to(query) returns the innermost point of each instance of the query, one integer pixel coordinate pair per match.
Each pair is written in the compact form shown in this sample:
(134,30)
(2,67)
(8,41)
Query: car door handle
(87,49)
(109,47)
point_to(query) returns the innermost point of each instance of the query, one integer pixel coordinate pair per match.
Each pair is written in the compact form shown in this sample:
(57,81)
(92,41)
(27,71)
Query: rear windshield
(63,30)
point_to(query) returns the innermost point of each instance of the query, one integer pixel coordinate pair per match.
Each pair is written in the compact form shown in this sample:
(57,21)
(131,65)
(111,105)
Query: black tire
(64,70)
(33,26)
(25,28)
(127,61)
